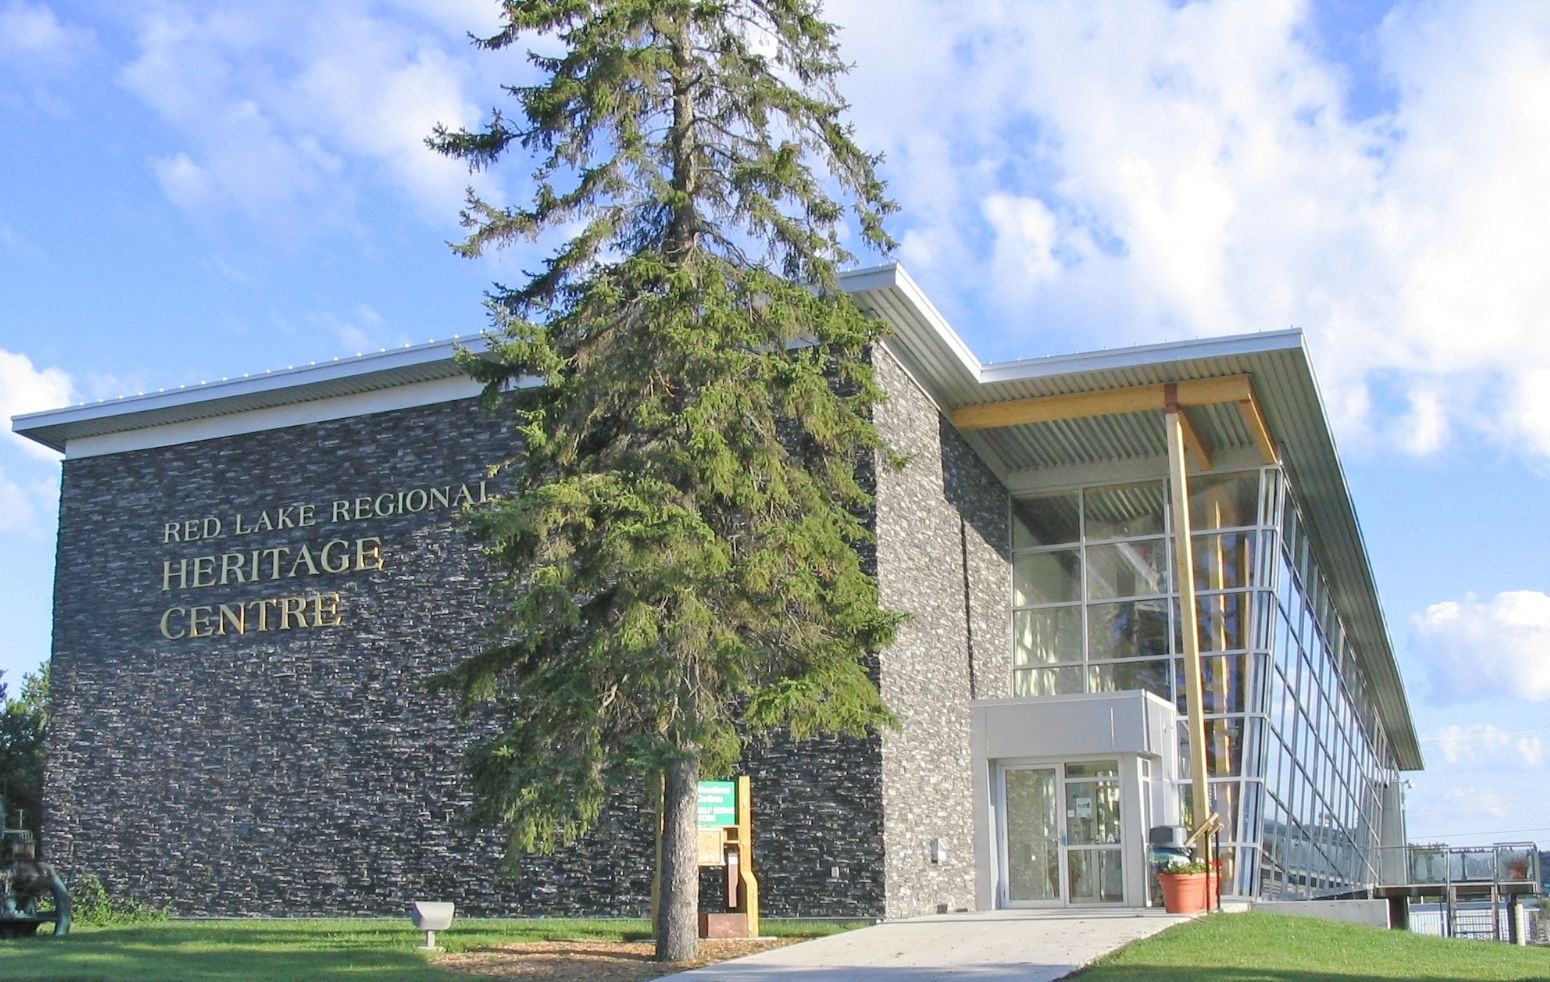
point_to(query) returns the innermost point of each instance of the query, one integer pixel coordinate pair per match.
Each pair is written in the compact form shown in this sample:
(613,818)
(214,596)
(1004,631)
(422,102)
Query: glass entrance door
(1031,835)
(1094,851)
(1060,834)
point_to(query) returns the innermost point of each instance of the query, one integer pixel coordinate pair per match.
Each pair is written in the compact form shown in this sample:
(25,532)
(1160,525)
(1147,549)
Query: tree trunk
(678,907)
(684,227)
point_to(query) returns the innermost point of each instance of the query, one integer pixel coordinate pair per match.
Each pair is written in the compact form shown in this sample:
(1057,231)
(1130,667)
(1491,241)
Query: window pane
(1123,676)
(1220,501)
(1224,561)
(1047,681)
(1224,747)
(1125,511)
(1092,812)
(1095,876)
(1046,519)
(1221,682)
(1129,629)
(1050,635)
(1047,577)
(1224,801)
(1127,569)
(1093,768)
(1223,620)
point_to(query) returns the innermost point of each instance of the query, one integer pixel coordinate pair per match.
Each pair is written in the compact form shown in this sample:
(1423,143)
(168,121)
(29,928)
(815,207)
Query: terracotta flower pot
(1184,893)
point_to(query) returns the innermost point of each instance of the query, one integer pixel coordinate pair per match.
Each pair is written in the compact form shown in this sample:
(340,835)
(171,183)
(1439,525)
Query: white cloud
(1026,238)
(233,272)
(188,185)
(285,111)
(456,18)
(16,508)
(1467,803)
(40,56)
(1531,750)
(1472,743)
(25,389)
(364,329)
(1473,649)
(28,488)
(1424,428)
(1204,175)
(31,32)
(1486,744)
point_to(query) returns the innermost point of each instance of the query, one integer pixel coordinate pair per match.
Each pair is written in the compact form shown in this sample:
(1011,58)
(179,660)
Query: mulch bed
(592,961)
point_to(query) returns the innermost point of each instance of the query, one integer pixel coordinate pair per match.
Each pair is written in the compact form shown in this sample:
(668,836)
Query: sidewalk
(1027,945)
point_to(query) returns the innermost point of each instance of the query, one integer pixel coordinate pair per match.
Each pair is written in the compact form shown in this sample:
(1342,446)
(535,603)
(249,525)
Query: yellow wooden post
(1184,569)
(748,885)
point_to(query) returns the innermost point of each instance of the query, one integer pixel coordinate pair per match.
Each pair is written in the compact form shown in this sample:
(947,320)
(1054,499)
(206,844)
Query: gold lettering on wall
(252,616)
(240,564)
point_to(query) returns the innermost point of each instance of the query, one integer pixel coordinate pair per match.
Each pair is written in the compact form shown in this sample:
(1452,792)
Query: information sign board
(717,804)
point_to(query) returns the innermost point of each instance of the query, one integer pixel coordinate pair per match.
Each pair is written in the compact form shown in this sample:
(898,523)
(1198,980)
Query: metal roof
(386,369)
(939,359)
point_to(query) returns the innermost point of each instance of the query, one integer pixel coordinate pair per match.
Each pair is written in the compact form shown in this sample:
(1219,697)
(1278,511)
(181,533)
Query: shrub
(91,903)
(1186,866)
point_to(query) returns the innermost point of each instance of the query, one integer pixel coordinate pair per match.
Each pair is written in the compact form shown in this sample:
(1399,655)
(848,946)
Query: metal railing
(1485,892)
(1504,862)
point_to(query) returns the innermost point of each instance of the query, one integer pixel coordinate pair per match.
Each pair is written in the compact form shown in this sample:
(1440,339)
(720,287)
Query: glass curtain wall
(1291,752)
(1327,758)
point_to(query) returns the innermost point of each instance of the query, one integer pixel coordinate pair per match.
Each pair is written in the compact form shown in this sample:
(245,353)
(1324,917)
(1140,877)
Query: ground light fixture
(431,916)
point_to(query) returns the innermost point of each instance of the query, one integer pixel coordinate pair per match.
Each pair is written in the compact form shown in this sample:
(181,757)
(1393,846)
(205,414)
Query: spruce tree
(683,548)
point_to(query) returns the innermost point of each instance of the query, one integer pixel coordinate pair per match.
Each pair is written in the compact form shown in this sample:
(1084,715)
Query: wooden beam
(1133,399)
(1257,428)
(1193,444)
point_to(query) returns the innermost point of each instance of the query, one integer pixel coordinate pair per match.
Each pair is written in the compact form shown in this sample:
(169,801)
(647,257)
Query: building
(257,577)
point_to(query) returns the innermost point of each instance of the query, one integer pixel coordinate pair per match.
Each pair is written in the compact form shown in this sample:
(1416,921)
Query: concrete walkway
(1027,945)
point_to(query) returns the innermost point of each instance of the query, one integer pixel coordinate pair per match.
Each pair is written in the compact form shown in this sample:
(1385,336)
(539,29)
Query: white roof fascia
(923,331)
(1141,356)
(52,427)
(921,337)
(386,399)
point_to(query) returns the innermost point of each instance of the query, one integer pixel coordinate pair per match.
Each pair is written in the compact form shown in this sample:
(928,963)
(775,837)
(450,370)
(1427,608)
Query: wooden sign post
(726,840)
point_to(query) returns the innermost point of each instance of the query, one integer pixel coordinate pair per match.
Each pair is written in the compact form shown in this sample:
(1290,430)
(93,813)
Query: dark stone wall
(942,554)
(309,771)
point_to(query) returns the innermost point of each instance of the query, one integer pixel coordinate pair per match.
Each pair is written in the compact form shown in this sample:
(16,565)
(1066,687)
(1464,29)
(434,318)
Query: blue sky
(195,190)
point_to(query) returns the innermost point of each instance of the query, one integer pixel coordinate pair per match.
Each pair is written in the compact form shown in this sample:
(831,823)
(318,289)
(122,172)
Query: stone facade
(308,770)
(942,555)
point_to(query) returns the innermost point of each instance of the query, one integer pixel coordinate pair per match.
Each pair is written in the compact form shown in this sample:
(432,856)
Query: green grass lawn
(1221,948)
(261,950)
(1278,948)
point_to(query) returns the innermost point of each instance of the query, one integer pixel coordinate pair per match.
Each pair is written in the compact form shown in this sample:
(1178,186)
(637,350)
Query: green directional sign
(717,804)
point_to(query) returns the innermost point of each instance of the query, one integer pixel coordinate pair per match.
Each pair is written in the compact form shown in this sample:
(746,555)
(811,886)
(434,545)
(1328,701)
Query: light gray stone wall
(942,536)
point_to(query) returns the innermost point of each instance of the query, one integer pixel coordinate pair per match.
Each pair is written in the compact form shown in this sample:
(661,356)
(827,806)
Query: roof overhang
(342,377)
(1275,367)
